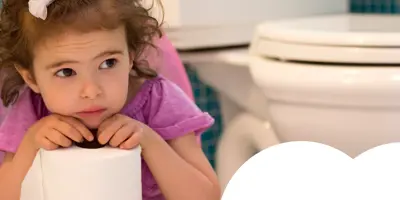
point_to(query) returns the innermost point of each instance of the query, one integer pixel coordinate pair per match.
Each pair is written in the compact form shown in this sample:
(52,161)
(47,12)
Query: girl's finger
(67,130)
(46,144)
(106,123)
(59,138)
(133,141)
(82,130)
(108,132)
(122,134)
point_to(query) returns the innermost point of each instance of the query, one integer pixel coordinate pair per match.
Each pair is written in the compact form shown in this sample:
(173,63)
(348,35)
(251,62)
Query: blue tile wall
(207,100)
(375,6)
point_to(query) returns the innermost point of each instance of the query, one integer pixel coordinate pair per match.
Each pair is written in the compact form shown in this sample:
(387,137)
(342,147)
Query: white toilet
(331,79)
(244,106)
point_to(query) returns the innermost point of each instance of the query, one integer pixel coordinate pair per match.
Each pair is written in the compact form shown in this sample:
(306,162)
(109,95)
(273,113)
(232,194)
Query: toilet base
(243,106)
(244,136)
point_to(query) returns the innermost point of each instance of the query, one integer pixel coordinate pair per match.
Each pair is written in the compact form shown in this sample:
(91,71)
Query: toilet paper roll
(84,174)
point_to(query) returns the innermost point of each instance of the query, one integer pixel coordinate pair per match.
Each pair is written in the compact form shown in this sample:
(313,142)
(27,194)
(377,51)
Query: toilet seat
(317,84)
(335,39)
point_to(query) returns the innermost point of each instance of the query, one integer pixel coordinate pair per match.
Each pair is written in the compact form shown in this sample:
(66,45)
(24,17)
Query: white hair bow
(38,8)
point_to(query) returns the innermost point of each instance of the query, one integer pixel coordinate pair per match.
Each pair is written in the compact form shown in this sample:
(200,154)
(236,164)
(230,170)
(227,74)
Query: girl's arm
(180,167)
(9,187)
(14,169)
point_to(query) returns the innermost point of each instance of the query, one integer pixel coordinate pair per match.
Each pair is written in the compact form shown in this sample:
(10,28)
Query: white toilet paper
(84,174)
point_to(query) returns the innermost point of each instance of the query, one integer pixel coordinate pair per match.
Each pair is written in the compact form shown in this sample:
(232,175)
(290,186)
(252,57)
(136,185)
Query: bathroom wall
(255,10)
(375,6)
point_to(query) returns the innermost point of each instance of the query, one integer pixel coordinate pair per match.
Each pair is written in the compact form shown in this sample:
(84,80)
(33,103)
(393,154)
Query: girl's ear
(28,78)
(131,58)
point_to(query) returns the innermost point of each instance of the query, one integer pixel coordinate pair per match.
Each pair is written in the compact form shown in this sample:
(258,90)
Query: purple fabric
(160,104)
(17,121)
(2,115)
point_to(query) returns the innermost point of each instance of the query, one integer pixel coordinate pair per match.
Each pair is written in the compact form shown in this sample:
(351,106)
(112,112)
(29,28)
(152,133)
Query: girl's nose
(91,90)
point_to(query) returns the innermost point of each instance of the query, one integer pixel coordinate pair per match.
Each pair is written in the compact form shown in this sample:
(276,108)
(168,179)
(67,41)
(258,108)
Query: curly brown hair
(20,32)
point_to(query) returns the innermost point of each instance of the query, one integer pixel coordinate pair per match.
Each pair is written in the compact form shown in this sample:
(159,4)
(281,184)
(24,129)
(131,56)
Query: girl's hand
(56,131)
(120,131)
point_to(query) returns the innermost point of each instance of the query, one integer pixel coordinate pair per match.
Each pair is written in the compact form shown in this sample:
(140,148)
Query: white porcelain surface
(336,30)
(347,38)
(326,54)
(350,108)
(227,72)
(241,139)
(322,84)
(243,107)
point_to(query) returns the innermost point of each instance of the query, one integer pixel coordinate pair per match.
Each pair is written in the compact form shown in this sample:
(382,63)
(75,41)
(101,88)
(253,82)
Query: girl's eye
(66,72)
(110,63)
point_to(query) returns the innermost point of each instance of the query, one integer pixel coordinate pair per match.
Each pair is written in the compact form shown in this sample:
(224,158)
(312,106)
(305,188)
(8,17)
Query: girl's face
(83,75)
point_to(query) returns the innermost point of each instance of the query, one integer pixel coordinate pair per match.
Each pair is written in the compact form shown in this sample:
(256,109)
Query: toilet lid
(347,38)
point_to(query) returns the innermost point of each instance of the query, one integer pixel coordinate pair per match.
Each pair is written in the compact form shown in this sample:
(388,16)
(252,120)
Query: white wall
(241,11)
(215,12)
(216,23)
(172,15)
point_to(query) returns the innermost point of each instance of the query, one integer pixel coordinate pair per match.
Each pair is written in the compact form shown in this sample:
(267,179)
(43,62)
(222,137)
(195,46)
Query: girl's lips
(92,111)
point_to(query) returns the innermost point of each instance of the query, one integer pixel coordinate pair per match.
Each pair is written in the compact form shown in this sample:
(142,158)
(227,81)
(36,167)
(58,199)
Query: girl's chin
(91,125)
(92,122)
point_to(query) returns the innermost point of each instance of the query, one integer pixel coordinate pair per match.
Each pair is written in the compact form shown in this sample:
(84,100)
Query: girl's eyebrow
(101,54)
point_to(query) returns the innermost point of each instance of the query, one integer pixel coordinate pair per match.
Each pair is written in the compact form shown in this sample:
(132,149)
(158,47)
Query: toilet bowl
(227,71)
(243,105)
(331,79)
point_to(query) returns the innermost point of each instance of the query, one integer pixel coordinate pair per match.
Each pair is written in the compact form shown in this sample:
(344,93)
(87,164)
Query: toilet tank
(194,24)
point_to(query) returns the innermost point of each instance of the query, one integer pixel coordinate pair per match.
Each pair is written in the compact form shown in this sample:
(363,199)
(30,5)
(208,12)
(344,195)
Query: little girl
(80,62)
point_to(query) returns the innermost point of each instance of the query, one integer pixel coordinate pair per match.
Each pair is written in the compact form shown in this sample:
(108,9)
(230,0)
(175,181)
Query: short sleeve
(171,113)
(16,122)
